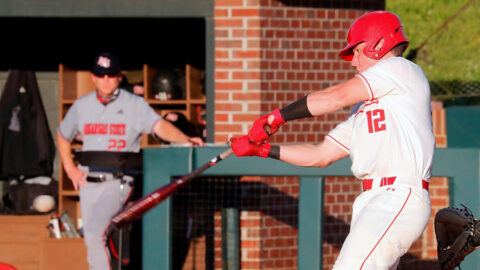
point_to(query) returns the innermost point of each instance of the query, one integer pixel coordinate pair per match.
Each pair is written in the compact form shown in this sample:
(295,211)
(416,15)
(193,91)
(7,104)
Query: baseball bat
(142,205)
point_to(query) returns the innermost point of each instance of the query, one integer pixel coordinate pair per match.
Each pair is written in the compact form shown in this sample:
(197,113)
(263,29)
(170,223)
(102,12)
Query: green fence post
(310,223)
(230,238)
(159,165)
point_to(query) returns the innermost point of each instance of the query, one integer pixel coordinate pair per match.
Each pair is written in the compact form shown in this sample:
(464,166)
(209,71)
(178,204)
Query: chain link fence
(456,92)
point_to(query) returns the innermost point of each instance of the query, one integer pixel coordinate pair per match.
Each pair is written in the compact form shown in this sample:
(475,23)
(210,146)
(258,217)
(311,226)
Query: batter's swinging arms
(388,137)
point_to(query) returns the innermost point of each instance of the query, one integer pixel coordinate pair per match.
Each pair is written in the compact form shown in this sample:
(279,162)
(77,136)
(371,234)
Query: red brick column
(237,69)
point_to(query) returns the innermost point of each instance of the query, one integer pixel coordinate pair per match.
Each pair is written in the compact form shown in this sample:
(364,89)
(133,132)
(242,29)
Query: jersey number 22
(118,144)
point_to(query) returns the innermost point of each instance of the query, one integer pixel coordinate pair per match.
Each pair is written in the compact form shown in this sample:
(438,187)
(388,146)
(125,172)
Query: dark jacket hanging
(26,143)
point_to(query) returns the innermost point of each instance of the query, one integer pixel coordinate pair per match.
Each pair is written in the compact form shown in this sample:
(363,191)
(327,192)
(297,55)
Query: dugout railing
(460,165)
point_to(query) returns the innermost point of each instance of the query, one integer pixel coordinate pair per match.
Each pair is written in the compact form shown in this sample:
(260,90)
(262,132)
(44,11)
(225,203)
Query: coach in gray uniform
(108,119)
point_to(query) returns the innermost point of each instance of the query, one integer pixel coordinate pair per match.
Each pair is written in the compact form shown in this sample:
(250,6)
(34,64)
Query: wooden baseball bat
(142,205)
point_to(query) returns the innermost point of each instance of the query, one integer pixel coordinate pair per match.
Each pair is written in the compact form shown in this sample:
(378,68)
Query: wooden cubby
(76,83)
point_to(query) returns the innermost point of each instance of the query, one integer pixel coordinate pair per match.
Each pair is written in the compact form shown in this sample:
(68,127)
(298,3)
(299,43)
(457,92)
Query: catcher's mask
(371,28)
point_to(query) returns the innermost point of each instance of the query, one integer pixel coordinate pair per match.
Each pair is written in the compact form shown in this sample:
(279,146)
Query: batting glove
(244,147)
(266,126)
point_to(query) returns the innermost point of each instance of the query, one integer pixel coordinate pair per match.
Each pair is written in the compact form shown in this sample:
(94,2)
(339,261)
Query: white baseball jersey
(391,133)
(117,126)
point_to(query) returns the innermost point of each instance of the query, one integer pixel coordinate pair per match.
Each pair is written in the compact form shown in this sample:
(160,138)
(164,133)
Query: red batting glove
(243,147)
(266,126)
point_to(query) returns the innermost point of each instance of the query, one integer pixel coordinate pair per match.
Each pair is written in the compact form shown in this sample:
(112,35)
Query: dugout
(41,35)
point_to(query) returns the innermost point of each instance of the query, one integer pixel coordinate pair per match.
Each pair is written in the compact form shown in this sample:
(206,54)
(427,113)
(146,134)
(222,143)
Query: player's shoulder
(397,66)
(395,62)
(130,97)
(87,97)
(400,62)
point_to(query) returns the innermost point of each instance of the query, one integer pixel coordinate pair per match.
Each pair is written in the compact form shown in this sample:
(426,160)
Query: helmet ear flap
(374,49)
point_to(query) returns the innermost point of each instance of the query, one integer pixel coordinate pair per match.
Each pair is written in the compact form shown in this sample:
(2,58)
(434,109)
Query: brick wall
(269,53)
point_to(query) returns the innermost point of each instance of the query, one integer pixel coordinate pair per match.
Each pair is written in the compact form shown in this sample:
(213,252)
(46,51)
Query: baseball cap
(106,63)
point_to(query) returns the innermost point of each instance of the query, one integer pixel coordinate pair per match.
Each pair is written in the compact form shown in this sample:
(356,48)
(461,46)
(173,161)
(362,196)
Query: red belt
(385,181)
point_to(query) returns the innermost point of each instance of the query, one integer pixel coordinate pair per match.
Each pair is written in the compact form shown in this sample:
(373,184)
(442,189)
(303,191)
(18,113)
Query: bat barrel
(138,208)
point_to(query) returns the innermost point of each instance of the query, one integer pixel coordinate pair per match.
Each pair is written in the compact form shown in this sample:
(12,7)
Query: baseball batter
(388,137)
(108,119)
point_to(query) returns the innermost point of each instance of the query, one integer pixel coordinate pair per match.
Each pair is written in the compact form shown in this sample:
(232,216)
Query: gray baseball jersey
(117,126)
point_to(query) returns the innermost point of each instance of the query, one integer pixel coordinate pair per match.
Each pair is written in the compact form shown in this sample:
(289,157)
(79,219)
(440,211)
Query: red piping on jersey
(339,143)
(359,112)
(372,101)
(369,87)
(365,104)
(410,192)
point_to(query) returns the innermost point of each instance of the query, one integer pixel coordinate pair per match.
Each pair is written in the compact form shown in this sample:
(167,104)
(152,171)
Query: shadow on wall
(338,4)
(194,215)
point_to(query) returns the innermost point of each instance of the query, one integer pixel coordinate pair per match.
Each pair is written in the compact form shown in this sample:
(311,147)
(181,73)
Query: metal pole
(230,239)
(120,230)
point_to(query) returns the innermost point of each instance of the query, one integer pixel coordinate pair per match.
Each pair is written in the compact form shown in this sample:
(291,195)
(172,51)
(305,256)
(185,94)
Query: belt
(386,181)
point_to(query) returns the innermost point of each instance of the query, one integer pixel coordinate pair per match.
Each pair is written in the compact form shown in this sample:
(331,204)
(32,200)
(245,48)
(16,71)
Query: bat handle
(268,130)
(226,153)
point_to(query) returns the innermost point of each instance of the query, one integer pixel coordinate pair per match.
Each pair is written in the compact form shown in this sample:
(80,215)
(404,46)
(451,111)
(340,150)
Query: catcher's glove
(457,234)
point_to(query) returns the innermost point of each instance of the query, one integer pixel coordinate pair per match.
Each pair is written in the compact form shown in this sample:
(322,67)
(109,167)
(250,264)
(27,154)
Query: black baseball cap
(106,64)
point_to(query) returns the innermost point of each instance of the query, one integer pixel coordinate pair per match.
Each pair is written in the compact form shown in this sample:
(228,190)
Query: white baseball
(43,203)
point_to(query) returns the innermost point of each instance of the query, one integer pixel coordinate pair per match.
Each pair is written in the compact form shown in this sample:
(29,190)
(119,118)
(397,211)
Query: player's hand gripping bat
(142,205)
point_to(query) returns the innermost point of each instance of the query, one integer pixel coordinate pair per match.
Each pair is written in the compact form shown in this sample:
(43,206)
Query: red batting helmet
(371,28)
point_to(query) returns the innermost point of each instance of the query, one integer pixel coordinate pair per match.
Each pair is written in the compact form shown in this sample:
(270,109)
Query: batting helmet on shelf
(371,28)
(165,85)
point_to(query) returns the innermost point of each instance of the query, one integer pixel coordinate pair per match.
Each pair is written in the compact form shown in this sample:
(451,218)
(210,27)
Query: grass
(453,53)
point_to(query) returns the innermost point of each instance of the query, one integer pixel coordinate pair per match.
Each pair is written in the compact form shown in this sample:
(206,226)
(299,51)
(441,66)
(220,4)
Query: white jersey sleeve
(384,77)
(341,135)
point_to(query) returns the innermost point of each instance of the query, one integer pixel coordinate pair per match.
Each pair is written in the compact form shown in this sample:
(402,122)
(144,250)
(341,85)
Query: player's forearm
(167,131)
(65,151)
(308,155)
(305,155)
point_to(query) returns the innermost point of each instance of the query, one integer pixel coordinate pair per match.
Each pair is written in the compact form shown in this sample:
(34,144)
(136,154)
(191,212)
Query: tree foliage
(452,53)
